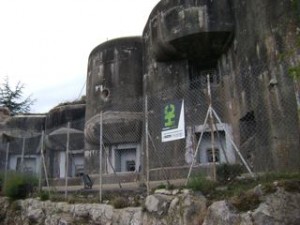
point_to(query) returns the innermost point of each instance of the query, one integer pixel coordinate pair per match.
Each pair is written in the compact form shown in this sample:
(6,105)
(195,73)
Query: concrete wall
(28,129)
(222,142)
(114,83)
(56,137)
(183,40)
(31,163)
(242,44)
(114,75)
(62,164)
(255,94)
(258,92)
(189,29)
(119,156)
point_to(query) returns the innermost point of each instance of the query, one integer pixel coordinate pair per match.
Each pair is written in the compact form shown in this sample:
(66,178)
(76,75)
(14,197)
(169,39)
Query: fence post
(6,163)
(100,155)
(234,145)
(45,170)
(197,148)
(211,129)
(41,161)
(22,156)
(147,145)
(67,161)
(146,166)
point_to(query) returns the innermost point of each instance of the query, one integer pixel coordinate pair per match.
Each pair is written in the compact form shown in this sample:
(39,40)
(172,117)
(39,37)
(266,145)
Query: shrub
(269,188)
(19,186)
(227,172)
(273,176)
(165,186)
(200,183)
(136,201)
(120,202)
(161,186)
(44,195)
(245,201)
(55,197)
(290,185)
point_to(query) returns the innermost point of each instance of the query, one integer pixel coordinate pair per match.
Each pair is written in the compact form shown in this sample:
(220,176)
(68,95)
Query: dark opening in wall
(125,160)
(210,157)
(105,94)
(247,126)
(198,75)
(130,165)
(205,153)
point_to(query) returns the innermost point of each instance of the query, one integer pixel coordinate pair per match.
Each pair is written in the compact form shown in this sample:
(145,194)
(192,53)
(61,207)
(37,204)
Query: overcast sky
(45,44)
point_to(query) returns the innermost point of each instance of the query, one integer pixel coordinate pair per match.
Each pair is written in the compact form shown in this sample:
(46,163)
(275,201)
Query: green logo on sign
(169,115)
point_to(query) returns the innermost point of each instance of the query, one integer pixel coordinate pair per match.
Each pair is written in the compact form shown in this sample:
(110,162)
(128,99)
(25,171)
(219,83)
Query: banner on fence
(173,121)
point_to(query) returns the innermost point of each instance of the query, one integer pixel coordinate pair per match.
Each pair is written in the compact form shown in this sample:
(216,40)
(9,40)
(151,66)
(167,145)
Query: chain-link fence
(140,145)
(171,158)
(53,154)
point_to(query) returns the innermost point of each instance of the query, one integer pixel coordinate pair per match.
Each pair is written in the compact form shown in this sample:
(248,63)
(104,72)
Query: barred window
(210,157)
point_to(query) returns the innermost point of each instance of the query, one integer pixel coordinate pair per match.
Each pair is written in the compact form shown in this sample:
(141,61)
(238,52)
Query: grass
(44,195)
(118,200)
(240,192)
(294,72)
(227,172)
(202,184)
(19,185)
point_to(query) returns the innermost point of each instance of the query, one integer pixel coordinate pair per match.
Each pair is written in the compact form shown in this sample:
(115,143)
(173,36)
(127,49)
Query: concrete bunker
(114,84)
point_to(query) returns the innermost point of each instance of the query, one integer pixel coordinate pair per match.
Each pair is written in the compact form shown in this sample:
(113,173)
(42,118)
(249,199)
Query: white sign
(173,121)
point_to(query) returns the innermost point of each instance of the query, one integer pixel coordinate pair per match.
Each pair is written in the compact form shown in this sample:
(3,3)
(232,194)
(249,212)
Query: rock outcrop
(33,211)
(161,208)
(173,207)
(277,209)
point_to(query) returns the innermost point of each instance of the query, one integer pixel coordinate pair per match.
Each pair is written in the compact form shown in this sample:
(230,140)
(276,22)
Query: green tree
(13,98)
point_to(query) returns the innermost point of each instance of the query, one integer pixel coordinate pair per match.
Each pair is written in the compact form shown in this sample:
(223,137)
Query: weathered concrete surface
(114,85)
(27,129)
(252,91)
(57,127)
(18,130)
(183,42)
(61,115)
(115,130)
(114,76)
(258,91)
(24,125)
(189,29)
(56,134)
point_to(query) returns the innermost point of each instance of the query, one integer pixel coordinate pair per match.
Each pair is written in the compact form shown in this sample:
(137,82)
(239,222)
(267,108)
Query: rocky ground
(276,205)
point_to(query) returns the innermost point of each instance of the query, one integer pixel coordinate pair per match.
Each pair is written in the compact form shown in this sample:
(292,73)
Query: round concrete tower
(114,87)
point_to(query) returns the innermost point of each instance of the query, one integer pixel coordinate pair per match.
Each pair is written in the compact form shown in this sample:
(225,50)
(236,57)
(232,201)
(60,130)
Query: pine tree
(12,98)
